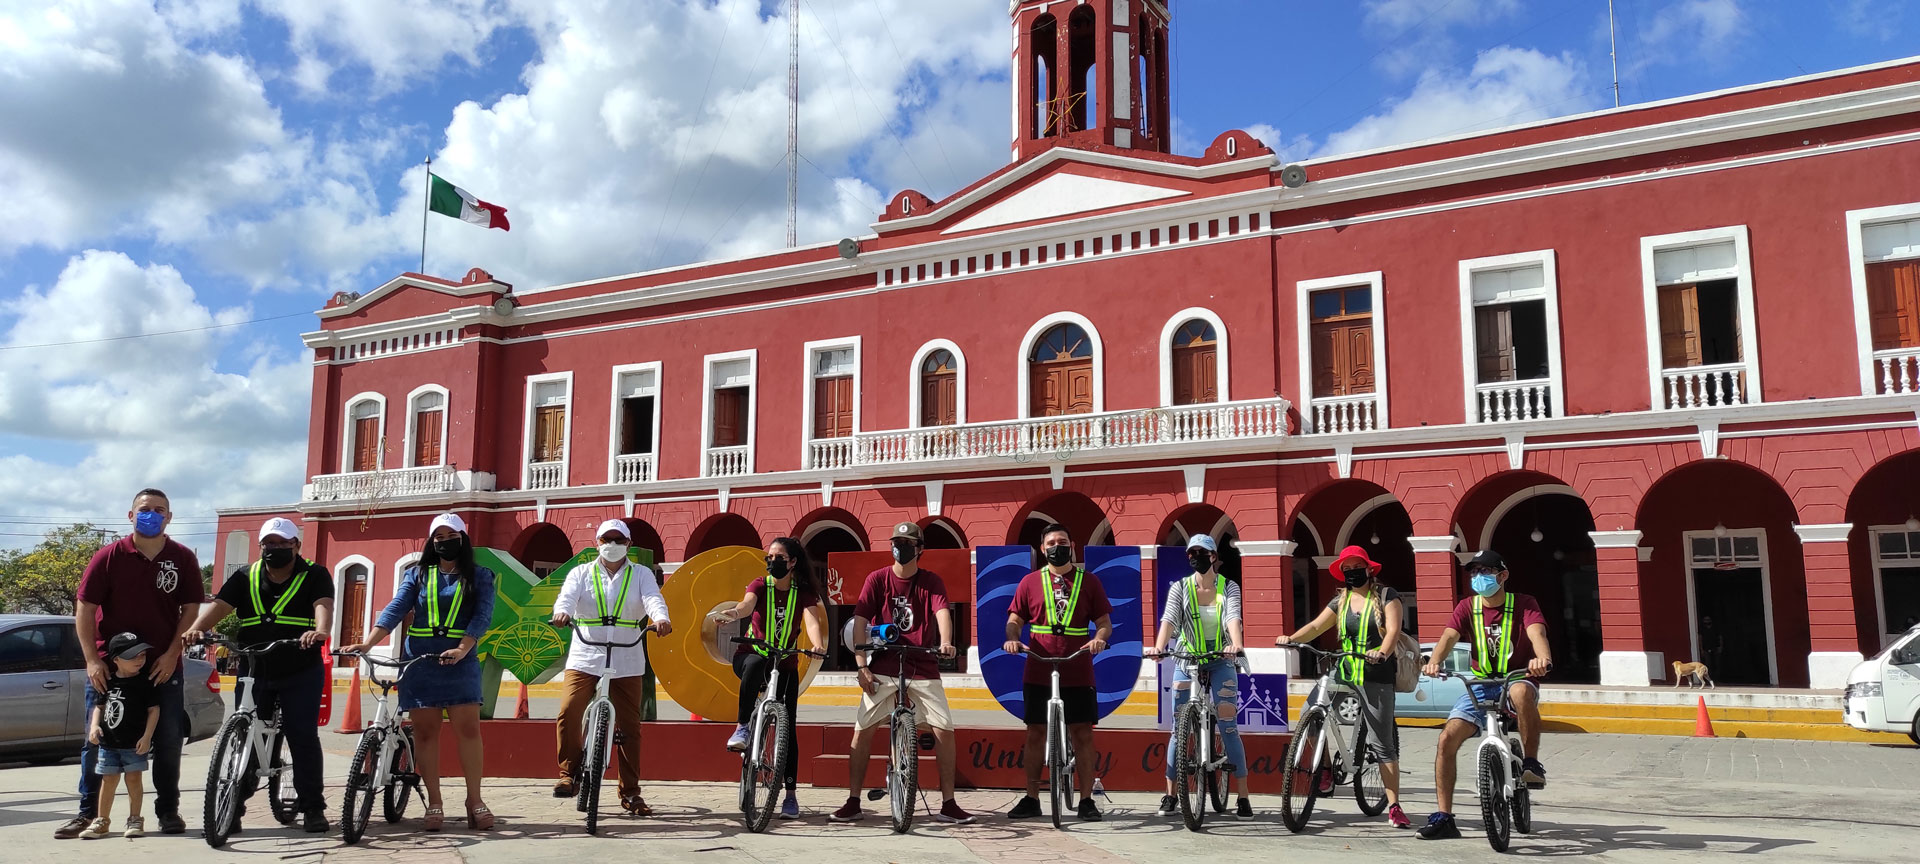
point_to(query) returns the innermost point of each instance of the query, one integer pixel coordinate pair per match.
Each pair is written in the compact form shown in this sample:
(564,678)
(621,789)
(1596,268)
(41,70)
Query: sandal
(432,819)
(635,805)
(480,818)
(564,789)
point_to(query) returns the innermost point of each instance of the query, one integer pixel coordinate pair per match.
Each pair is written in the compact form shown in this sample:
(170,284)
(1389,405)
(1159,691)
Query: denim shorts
(1468,709)
(114,761)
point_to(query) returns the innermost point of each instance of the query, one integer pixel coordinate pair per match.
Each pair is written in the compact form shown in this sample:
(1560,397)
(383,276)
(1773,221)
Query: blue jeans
(114,760)
(297,697)
(1225,677)
(1468,708)
(165,755)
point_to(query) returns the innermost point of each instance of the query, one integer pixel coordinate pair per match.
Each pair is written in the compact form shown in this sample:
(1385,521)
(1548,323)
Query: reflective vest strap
(437,625)
(1055,626)
(1195,639)
(1354,669)
(260,613)
(611,617)
(783,637)
(1484,665)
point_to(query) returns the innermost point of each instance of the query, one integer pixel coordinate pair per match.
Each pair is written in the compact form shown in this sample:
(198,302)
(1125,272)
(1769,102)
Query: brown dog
(1697,672)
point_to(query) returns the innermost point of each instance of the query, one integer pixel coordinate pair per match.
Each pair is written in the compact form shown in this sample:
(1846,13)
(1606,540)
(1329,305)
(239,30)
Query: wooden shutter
(939,399)
(729,417)
(1893,304)
(1079,386)
(1680,326)
(1327,365)
(1359,356)
(1493,332)
(549,433)
(833,407)
(366,443)
(1194,374)
(426,438)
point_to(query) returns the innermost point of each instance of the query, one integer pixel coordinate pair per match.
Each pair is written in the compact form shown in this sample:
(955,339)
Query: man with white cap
(610,598)
(283,596)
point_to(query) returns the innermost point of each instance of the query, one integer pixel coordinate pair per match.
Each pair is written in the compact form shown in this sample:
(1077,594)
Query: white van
(1883,692)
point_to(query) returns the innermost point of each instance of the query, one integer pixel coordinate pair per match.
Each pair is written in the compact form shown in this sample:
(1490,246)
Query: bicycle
(590,770)
(763,766)
(1061,760)
(1199,758)
(384,759)
(1318,746)
(1506,805)
(246,741)
(903,756)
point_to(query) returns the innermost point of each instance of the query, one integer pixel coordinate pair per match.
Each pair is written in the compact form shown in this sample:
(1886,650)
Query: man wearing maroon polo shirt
(148,585)
(1068,609)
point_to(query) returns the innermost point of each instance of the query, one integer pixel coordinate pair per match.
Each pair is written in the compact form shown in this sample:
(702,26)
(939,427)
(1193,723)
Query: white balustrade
(830,453)
(398,483)
(727,462)
(1897,370)
(545,475)
(1706,386)
(633,468)
(1508,401)
(1336,415)
(1058,436)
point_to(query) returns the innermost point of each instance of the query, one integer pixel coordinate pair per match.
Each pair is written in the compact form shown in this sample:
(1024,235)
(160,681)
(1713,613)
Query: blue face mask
(1485,584)
(149,523)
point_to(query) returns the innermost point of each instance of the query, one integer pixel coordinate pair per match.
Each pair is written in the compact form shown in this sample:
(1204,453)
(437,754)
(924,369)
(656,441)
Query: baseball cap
(1202,541)
(1487,558)
(126,646)
(909,531)
(615,526)
(279,527)
(449,520)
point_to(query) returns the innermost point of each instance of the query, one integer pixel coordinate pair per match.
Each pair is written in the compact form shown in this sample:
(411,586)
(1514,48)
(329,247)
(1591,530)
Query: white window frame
(1743,291)
(752,356)
(340,593)
(613,419)
(346,431)
(566,432)
(810,352)
(1304,289)
(1173,324)
(1024,410)
(1766,593)
(1879,591)
(959,382)
(1857,222)
(446,409)
(1470,336)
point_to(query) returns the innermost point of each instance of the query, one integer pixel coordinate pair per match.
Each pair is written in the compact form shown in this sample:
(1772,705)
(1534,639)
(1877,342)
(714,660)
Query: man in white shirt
(608,599)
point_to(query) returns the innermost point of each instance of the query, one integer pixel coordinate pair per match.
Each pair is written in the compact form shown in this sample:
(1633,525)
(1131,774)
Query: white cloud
(1877,19)
(1506,85)
(1420,32)
(1690,29)
(394,39)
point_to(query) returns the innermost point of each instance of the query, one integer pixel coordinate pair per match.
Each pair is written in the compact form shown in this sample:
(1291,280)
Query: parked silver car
(1434,697)
(43,690)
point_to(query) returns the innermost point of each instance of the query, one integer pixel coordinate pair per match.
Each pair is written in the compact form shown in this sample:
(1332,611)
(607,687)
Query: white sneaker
(136,827)
(738,742)
(101,827)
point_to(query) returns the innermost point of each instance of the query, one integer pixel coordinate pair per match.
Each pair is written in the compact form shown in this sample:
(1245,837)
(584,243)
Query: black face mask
(1060,556)
(1200,561)
(778,567)
(904,551)
(1354,577)
(451,548)
(277,558)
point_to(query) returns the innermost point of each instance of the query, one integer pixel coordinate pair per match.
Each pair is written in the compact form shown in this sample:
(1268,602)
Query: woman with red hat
(1366,615)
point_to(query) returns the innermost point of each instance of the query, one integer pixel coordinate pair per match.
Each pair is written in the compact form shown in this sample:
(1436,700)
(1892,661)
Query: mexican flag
(447,199)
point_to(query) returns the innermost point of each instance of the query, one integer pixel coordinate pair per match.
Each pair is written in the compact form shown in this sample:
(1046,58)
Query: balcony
(1023,440)
(1509,401)
(728,462)
(1339,415)
(1897,371)
(1705,386)
(380,485)
(546,475)
(633,468)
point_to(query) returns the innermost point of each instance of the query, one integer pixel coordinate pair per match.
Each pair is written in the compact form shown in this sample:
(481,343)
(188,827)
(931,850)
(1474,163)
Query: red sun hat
(1352,553)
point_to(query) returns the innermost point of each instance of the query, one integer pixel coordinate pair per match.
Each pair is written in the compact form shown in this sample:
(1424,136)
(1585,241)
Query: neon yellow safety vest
(1481,668)
(437,624)
(1352,667)
(1195,640)
(1055,626)
(783,638)
(610,616)
(277,616)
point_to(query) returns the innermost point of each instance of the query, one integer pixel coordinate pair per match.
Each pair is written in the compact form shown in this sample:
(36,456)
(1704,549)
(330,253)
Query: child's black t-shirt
(123,711)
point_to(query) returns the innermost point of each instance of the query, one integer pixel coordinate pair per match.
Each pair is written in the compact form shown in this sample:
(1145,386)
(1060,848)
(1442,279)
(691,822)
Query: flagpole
(426,206)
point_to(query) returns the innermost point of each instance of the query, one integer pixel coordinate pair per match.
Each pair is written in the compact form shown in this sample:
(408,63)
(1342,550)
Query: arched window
(1043,41)
(1083,78)
(1061,372)
(1194,355)
(427,429)
(939,389)
(364,422)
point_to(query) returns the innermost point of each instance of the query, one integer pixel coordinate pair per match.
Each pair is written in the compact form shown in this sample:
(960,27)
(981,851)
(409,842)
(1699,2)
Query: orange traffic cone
(520,710)
(351,723)
(1702,724)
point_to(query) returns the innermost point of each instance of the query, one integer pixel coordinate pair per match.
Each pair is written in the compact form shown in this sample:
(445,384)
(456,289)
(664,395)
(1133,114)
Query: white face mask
(613,552)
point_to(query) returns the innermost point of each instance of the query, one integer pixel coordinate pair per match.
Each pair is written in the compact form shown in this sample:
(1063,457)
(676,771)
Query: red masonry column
(1830,612)
(1434,569)
(1624,660)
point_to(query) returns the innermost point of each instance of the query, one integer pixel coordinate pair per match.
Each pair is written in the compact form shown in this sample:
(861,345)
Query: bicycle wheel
(748,792)
(1059,786)
(1219,778)
(593,766)
(226,774)
(356,808)
(1523,810)
(1366,776)
(903,775)
(402,780)
(1494,812)
(1186,766)
(769,757)
(1298,785)
(281,798)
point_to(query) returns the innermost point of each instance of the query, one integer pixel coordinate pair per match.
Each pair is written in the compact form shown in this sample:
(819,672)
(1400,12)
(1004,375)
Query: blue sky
(220,167)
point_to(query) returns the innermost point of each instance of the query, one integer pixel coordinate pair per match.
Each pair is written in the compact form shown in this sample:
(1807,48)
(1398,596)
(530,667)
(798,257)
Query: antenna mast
(793,124)
(1613,54)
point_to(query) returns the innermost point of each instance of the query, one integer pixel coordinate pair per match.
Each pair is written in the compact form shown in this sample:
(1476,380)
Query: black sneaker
(1088,812)
(315,822)
(1244,810)
(171,823)
(72,828)
(1169,806)
(1440,827)
(1028,807)
(1533,774)
(848,812)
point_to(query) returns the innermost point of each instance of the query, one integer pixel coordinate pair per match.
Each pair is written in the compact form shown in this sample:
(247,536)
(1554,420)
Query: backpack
(1406,653)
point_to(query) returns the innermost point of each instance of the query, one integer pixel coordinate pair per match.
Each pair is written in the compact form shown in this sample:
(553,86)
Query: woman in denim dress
(444,583)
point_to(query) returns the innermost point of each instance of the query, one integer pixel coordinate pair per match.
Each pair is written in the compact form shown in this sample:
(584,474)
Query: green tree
(43,580)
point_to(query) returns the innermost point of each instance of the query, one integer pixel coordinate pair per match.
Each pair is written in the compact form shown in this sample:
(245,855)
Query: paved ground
(1613,798)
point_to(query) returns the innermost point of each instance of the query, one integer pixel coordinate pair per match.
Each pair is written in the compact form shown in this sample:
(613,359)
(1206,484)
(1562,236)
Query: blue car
(1434,698)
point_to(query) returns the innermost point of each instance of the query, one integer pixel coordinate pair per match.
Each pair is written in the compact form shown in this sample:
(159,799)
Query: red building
(1664,358)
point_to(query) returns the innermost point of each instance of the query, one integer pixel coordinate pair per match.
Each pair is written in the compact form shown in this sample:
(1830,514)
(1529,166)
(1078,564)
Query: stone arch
(721,529)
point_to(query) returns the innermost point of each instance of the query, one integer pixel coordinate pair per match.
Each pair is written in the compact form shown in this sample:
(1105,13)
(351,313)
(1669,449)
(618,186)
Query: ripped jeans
(1225,676)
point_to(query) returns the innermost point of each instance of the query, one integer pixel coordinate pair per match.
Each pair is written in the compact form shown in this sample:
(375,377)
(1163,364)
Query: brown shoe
(565,789)
(72,828)
(635,805)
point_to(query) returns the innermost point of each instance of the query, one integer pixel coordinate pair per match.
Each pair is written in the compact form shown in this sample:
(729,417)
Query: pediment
(1062,194)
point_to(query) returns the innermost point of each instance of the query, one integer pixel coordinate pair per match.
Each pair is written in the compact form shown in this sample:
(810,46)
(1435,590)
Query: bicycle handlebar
(1045,659)
(249,650)
(895,646)
(1199,656)
(781,653)
(373,661)
(1321,652)
(579,632)
(1471,680)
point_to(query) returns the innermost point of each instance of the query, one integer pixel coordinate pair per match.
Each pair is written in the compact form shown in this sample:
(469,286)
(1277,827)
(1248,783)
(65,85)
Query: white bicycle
(383,761)
(1506,805)
(1319,749)
(763,767)
(248,749)
(1201,771)
(1060,756)
(590,770)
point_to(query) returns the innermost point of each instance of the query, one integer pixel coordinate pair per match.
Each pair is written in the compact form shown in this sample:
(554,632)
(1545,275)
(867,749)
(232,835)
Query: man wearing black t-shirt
(284,596)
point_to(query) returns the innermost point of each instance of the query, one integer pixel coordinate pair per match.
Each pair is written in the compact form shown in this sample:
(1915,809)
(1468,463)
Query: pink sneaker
(1398,817)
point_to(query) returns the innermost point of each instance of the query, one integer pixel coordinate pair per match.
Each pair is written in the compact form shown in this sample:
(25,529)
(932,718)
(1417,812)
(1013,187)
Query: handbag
(1406,655)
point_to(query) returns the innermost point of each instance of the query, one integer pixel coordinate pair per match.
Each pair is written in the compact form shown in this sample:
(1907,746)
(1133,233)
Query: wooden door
(1493,334)
(426,437)
(939,399)
(1342,358)
(352,610)
(833,407)
(729,417)
(366,443)
(1893,304)
(1062,388)
(550,433)
(1194,374)
(1679,326)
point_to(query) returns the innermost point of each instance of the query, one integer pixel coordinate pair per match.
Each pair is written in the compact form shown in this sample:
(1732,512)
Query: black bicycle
(903,759)
(763,767)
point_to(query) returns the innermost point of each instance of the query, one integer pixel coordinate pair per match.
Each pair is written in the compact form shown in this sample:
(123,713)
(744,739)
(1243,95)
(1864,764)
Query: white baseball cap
(1202,541)
(614,525)
(279,527)
(449,520)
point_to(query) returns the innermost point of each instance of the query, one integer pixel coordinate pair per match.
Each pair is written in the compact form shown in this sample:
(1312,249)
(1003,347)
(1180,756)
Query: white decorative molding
(1322,562)
(539,509)
(1196,477)
(1709,440)
(935,490)
(1264,548)
(826,493)
(1060,195)
(725,496)
(1058,473)
(1614,539)
(1343,459)
(1830,533)
(1644,553)
(1464,555)
(1516,452)
(1437,543)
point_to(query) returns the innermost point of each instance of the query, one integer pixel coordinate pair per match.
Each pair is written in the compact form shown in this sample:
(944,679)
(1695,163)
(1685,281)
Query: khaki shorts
(927,695)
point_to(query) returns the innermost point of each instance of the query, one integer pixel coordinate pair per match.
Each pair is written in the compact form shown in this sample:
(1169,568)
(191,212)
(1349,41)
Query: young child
(122,723)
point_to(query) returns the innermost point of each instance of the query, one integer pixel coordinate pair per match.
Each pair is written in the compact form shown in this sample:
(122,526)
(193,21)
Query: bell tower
(1090,72)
